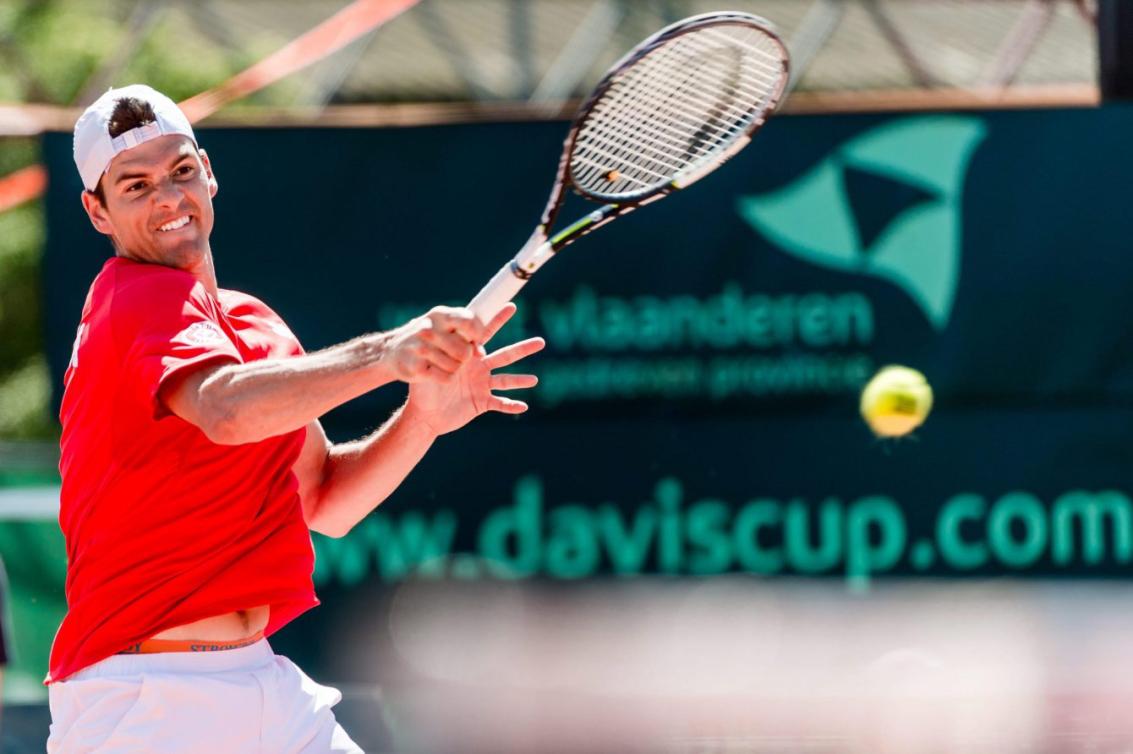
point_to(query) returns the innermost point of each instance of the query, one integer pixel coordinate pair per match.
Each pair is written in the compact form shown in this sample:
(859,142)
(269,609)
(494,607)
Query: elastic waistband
(245,658)
(154,646)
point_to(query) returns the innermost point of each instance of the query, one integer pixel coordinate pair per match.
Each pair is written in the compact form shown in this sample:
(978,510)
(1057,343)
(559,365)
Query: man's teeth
(180,222)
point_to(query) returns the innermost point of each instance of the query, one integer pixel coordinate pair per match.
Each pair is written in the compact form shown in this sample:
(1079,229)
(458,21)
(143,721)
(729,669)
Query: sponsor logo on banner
(885,204)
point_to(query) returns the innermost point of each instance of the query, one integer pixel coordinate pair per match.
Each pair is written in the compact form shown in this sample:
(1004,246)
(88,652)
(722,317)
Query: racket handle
(506,283)
(502,288)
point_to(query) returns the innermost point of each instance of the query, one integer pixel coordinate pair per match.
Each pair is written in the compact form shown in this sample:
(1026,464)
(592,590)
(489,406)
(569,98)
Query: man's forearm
(271,397)
(359,475)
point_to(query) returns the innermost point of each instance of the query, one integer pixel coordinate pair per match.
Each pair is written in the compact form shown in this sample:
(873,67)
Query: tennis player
(194,464)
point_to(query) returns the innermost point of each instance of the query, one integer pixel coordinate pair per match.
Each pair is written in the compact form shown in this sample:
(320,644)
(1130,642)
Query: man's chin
(184,256)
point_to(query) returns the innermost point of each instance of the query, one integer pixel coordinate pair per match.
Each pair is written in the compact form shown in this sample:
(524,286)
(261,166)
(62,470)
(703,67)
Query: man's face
(158,205)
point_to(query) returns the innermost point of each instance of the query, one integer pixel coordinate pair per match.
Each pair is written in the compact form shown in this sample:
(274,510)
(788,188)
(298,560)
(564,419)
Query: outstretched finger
(506,405)
(513,381)
(508,355)
(498,321)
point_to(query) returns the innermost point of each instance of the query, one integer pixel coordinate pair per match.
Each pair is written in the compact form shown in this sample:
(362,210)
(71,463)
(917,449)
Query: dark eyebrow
(134,176)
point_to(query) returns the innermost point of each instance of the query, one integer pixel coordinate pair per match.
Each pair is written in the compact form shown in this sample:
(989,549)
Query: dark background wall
(698,411)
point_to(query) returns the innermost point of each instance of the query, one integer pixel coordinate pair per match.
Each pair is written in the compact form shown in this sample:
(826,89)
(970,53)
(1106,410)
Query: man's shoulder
(245,310)
(129,299)
(239,303)
(137,277)
(137,286)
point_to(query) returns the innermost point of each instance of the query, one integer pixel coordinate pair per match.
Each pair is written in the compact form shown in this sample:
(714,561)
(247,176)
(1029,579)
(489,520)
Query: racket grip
(512,277)
(501,289)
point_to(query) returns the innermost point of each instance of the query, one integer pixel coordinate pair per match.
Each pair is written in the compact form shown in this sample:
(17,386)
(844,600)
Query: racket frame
(538,249)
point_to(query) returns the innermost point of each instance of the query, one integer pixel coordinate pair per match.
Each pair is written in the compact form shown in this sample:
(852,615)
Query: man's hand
(340,484)
(449,403)
(435,346)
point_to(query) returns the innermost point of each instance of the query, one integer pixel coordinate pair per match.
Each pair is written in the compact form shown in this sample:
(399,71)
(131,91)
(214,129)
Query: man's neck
(204,271)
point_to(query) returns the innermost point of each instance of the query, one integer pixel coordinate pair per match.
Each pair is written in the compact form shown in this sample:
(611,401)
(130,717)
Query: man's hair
(129,113)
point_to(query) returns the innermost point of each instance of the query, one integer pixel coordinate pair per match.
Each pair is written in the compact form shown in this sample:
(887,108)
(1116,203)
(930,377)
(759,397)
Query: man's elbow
(222,424)
(320,517)
(334,532)
(328,527)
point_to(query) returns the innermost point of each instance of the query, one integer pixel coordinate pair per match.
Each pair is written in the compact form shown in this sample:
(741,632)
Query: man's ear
(213,185)
(96,211)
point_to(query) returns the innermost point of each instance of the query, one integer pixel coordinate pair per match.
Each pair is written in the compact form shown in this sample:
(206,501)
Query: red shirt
(164,527)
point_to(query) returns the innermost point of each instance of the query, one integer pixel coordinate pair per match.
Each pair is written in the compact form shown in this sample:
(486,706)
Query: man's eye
(136,186)
(185,170)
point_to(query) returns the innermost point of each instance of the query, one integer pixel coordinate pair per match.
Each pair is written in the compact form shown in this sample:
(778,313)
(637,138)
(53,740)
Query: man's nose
(167,193)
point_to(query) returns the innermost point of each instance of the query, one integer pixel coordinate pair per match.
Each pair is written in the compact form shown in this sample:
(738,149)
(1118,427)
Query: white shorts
(244,701)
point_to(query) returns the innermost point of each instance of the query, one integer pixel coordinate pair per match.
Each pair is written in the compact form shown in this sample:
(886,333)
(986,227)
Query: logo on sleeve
(202,334)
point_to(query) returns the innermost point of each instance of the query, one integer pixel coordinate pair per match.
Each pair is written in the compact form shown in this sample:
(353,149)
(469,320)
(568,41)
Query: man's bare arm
(340,484)
(239,403)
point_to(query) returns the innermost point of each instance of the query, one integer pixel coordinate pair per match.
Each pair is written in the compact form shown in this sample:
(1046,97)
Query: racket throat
(584,225)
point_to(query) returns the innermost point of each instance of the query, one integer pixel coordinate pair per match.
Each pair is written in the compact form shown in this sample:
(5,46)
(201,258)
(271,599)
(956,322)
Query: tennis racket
(667,114)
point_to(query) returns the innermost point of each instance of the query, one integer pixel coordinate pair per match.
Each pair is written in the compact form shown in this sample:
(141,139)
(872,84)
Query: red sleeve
(167,324)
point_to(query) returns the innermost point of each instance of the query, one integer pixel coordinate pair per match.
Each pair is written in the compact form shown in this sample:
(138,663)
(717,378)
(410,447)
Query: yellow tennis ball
(896,401)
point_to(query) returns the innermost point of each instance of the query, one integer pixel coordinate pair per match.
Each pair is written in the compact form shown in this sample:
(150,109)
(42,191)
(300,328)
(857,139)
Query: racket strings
(760,50)
(646,120)
(623,131)
(676,108)
(636,120)
(699,74)
(670,116)
(660,127)
(719,126)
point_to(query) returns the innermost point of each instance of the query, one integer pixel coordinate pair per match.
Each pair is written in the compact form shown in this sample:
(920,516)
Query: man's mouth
(177,224)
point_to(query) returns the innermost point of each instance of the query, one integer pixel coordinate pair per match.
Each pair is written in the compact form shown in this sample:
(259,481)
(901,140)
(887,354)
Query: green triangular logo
(885,203)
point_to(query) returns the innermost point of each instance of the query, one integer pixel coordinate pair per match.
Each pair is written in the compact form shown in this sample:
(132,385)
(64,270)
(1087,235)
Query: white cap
(94,149)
